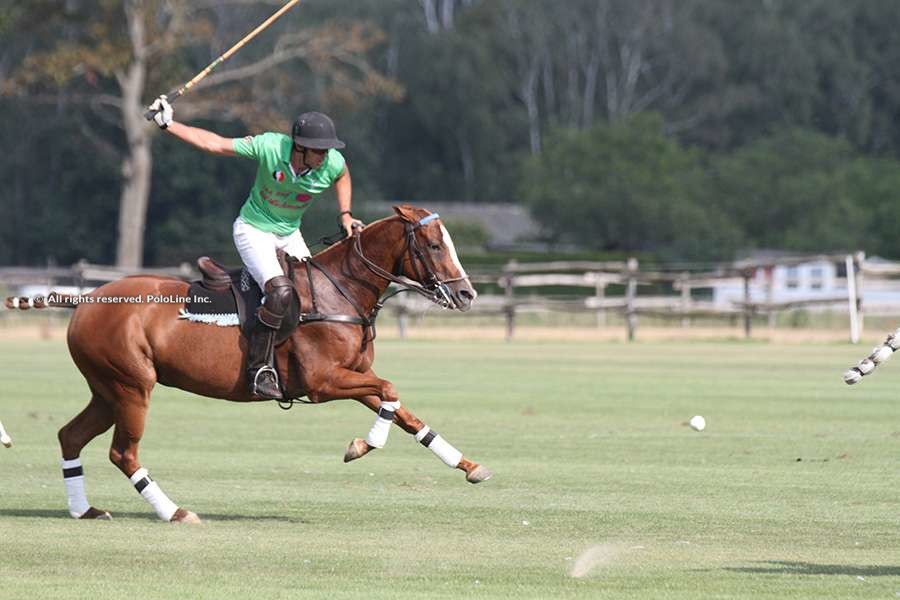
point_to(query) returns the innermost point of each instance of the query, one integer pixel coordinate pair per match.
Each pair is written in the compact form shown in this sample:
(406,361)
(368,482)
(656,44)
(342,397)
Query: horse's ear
(407,212)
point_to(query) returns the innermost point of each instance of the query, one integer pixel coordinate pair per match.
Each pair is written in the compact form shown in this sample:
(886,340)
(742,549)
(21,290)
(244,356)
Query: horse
(123,349)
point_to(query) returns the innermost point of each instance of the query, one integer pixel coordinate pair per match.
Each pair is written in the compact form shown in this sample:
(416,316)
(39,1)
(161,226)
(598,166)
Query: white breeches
(257,250)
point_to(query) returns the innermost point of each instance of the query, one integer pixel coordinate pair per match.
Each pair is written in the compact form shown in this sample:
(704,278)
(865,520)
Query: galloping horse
(124,349)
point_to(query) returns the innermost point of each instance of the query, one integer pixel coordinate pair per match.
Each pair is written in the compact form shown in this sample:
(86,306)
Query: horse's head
(431,260)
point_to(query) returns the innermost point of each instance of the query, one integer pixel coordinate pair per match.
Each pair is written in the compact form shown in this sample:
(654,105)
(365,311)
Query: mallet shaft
(173,95)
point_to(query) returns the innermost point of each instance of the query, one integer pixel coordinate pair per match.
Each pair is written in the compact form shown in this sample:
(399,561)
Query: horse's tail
(51,300)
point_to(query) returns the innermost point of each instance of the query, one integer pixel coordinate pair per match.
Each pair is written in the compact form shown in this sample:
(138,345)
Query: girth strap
(314,317)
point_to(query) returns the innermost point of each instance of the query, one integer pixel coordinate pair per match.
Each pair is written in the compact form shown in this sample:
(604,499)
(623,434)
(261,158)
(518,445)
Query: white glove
(163,112)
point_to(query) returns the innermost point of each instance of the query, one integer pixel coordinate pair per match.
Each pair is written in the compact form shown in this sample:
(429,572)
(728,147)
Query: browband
(428,219)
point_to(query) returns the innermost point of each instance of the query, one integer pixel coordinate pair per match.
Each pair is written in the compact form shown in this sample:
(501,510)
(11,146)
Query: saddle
(226,291)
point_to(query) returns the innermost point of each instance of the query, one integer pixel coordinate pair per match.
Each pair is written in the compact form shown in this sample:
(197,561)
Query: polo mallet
(173,95)
(878,356)
(4,437)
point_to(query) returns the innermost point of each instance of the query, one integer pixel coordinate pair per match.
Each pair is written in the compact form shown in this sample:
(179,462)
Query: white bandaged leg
(378,435)
(879,355)
(434,442)
(152,493)
(893,340)
(73,476)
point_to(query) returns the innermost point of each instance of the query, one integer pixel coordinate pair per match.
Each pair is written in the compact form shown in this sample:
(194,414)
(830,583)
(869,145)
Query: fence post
(860,260)
(770,296)
(600,294)
(402,320)
(630,292)
(685,299)
(852,304)
(748,308)
(509,305)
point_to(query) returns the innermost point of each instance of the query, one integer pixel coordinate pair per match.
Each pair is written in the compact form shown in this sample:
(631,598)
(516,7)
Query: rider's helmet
(315,130)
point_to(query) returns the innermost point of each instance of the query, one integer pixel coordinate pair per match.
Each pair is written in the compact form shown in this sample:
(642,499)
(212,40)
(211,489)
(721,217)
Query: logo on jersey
(303,198)
(278,176)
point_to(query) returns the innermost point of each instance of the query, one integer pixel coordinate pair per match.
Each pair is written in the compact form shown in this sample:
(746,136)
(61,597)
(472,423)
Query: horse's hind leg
(450,456)
(131,414)
(95,419)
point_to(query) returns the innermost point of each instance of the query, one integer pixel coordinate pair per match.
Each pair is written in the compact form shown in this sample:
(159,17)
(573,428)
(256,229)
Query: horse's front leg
(380,396)
(450,456)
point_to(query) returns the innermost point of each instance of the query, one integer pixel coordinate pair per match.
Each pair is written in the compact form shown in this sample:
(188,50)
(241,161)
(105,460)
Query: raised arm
(199,138)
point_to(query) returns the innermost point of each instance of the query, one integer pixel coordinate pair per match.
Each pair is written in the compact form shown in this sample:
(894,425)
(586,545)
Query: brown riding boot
(261,372)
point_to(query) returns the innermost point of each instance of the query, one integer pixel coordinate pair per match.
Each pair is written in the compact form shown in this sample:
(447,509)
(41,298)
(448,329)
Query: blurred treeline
(687,129)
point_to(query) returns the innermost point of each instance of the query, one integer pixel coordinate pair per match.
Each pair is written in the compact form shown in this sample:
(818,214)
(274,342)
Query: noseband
(433,288)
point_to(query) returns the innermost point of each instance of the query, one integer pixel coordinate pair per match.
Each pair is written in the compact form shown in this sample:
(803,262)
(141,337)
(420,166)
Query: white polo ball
(697,423)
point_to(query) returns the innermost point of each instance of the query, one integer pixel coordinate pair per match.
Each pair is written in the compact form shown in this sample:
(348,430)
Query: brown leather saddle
(226,291)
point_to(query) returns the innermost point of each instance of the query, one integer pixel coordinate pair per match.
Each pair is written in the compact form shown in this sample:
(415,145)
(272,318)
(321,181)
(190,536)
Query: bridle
(433,288)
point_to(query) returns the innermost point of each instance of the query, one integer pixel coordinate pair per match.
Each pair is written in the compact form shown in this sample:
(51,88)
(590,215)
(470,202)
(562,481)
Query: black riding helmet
(315,130)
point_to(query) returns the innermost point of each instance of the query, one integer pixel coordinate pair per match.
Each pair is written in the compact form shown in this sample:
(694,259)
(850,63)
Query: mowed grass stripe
(594,466)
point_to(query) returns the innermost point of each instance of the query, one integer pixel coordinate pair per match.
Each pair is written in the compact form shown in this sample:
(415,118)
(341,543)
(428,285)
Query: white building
(818,280)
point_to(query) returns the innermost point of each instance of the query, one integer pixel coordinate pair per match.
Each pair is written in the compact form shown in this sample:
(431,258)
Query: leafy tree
(626,187)
(104,54)
(784,191)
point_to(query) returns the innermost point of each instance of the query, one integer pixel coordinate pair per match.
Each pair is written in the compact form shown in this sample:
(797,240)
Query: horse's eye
(435,246)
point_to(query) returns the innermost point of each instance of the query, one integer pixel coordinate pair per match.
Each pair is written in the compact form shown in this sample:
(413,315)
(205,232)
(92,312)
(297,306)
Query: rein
(436,290)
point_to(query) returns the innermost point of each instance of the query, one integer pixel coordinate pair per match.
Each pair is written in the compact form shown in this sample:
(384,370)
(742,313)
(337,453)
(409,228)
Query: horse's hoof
(479,474)
(184,516)
(95,513)
(357,449)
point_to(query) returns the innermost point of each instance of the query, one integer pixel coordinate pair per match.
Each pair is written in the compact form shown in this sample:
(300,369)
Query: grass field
(791,492)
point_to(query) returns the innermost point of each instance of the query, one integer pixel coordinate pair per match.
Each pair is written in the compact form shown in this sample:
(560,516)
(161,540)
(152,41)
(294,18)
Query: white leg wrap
(73,476)
(378,435)
(444,451)
(152,493)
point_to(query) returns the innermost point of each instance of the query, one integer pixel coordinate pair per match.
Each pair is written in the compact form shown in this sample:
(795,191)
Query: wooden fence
(680,302)
(602,288)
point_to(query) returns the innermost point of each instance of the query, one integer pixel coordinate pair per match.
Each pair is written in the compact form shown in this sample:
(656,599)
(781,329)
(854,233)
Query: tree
(106,52)
(626,187)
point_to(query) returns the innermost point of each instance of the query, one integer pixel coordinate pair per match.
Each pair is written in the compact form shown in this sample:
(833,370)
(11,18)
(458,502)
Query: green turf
(791,492)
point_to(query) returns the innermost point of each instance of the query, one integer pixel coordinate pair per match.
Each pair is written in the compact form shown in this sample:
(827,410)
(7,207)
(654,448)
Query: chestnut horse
(124,349)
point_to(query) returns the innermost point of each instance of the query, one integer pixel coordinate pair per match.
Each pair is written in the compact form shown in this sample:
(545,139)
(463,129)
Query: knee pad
(278,297)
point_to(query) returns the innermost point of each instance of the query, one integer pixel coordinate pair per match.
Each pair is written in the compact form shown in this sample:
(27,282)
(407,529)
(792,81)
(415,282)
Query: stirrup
(254,389)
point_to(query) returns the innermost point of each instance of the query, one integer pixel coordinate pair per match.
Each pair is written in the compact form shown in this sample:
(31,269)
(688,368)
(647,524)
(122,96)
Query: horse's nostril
(467,295)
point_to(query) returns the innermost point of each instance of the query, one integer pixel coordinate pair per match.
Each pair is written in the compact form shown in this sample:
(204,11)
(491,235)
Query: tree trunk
(447,14)
(528,91)
(468,165)
(136,170)
(431,19)
(590,89)
(138,163)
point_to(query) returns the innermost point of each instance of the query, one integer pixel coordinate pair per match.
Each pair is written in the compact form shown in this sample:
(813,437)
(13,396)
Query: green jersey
(279,198)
